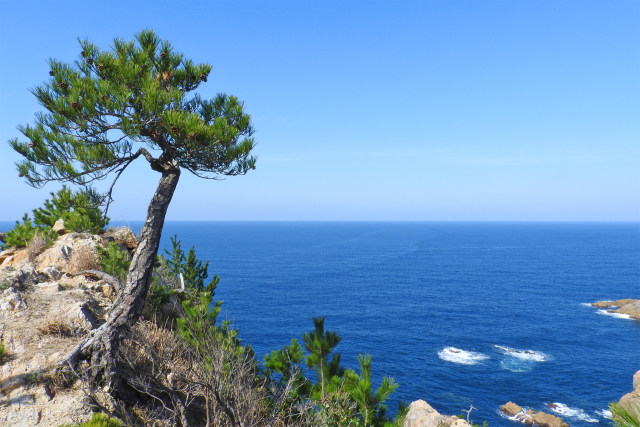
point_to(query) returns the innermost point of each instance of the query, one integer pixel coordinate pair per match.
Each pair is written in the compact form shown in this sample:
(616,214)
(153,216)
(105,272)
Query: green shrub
(97,420)
(80,210)
(193,270)
(159,294)
(3,354)
(114,260)
(20,235)
(339,396)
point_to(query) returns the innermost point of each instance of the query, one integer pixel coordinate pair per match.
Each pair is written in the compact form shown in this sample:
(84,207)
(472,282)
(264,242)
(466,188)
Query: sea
(460,314)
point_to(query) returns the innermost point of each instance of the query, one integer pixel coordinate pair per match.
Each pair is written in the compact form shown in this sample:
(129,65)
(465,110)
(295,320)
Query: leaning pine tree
(108,109)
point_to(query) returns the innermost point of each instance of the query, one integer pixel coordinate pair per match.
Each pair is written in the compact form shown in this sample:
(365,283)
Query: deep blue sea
(459,314)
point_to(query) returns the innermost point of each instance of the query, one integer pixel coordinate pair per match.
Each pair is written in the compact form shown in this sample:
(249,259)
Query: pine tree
(110,108)
(320,345)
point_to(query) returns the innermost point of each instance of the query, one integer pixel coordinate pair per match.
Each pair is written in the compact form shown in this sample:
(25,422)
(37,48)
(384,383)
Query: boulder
(80,315)
(123,236)
(547,420)
(421,414)
(632,400)
(61,252)
(6,254)
(52,273)
(511,409)
(16,259)
(22,277)
(58,227)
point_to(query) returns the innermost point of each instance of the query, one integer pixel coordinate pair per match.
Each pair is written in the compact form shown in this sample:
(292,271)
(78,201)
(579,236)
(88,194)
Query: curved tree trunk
(102,345)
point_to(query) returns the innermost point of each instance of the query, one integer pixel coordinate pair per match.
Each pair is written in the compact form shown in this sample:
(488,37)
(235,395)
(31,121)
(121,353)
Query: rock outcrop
(631,401)
(44,310)
(628,306)
(421,414)
(530,417)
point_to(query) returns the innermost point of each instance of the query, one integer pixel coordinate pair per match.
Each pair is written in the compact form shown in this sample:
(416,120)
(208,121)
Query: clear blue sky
(375,110)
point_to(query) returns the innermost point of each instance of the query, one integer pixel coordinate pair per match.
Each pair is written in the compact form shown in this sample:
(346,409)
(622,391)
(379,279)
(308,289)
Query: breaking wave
(463,357)
(567,412)
(604,413)
(616,315)
(530,355)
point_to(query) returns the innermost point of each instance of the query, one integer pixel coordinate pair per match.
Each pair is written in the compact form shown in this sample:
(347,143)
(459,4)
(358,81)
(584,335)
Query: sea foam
(616,315)
(566,411)
(604,413)
(463,357)
(530,355)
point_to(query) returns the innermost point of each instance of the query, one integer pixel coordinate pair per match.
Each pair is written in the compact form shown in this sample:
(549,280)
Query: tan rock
(6,254)
(632,309)
(511,409)
(547,420)
(58,226)
(60,254)
(18,258)
(421,414)
(616,303)
(123,236)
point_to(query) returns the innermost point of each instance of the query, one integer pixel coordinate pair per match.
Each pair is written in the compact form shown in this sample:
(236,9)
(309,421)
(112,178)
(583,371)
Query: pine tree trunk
(102,345)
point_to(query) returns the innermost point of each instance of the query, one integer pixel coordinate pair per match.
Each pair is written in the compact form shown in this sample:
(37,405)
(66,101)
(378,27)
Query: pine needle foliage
(138,94)
(624,416)
(339,396)
(193,270)
(80,210)
(23,232)
(114,260)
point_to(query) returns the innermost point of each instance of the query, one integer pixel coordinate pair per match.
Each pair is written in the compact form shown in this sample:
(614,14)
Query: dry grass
(37,245)
(57,328)
(83,258)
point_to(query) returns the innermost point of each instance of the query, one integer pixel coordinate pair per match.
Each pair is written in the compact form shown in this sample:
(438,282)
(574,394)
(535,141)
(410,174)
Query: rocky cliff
(46,305)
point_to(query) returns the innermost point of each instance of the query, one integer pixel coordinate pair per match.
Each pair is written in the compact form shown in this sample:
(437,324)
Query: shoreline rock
(628,306)
(421,414)
(631,400)
(530,417)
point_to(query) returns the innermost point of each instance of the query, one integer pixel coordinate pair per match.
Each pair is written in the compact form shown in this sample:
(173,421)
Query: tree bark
(102,345)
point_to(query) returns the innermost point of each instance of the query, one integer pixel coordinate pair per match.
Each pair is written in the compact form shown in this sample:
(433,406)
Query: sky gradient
(375,110)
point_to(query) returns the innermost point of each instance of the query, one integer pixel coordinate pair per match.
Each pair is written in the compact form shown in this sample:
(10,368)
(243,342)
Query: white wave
(566,411)
(586,304)
(463,357)
(604,413)
(531,355)
(616,315)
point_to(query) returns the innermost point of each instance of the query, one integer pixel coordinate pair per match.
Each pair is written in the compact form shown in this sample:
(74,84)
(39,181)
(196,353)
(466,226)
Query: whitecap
(463,357)
(530,355)
(566,411)
(616,315)
(604,413)
(586,304)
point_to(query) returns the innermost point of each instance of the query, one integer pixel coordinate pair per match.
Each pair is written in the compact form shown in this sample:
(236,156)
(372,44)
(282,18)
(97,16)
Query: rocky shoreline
(627,306)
